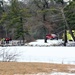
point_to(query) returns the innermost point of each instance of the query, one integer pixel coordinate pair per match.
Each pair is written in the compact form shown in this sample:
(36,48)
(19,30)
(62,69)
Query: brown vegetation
(17,68)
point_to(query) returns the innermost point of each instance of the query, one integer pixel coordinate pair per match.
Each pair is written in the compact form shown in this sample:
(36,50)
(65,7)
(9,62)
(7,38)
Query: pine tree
(15,19)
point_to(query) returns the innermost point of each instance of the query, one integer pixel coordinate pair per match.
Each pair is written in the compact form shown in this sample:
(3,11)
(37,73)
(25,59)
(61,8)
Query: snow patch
(60,73)
(41,42)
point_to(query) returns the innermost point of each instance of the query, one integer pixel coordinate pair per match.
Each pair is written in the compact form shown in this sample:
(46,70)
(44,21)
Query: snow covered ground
(39,51)
(41,42)
(45,54)
(54,73)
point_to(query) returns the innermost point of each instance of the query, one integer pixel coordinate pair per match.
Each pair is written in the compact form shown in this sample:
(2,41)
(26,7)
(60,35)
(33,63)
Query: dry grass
(21,68)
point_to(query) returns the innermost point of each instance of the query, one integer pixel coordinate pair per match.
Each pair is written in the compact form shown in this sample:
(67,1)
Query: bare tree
(7,55)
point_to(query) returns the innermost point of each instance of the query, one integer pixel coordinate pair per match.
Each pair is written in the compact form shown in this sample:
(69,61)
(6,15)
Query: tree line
(33,19)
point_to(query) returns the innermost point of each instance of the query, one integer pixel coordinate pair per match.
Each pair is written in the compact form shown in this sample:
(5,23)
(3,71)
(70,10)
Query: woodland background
(33,19)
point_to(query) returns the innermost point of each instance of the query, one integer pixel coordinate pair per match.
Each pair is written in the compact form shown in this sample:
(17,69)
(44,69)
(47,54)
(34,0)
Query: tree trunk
(22,30)
(65,36)
(44,17)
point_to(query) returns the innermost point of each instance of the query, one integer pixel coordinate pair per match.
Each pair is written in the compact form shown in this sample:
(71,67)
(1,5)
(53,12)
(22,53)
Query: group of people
(51,37)
(5,40)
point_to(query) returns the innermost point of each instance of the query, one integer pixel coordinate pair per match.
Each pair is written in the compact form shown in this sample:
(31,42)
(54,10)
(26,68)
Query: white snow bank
(41,42)
(59,42)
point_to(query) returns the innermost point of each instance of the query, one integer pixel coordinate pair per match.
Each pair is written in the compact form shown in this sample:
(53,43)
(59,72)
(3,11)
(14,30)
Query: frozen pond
(43,54)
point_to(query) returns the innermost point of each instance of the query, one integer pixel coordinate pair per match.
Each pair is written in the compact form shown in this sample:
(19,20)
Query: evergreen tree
(2,18)
(15,17)
(70,14)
